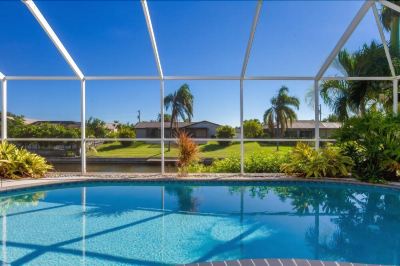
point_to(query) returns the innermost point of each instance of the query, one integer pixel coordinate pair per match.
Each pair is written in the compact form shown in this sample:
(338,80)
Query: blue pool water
(170,223)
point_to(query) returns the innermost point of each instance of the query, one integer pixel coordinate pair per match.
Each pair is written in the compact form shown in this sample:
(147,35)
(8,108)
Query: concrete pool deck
(60,178)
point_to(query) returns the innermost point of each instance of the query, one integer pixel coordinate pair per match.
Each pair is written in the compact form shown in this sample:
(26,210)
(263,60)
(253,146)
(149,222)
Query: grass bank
(210,150)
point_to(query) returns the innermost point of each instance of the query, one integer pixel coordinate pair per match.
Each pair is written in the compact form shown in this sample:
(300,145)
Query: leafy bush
(325,162)
(252,128)
(187,152)
(126,132)
(227,165)
(17,163)
(260,162)
(225,132)
(373,141)
(96,128)
(264,162)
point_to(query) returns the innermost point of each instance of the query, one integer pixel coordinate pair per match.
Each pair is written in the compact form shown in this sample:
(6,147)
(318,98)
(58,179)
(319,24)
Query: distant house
(202,129)
(305,129)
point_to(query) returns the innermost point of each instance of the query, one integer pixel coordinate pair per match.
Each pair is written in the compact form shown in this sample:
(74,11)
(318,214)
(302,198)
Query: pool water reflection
(155,224)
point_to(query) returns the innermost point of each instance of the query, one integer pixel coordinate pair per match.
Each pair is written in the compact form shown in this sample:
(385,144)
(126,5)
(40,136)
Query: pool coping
(7,185)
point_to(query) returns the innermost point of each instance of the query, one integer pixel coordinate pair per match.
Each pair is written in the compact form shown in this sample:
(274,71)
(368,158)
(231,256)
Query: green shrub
(264,162)
(252,128)
(17,163)
(126,132)
(373,141)
(227,165)
(258,162)
(325,162)
(225,132)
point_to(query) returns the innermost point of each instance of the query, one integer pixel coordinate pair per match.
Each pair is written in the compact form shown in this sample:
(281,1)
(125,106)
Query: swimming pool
(172,223)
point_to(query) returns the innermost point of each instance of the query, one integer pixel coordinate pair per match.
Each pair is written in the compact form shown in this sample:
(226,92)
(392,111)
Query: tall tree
(281,112)
(390,20)
(345,97)
(167,118)
(181,104)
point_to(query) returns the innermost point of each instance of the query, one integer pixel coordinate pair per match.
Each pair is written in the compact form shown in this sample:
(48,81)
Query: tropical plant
(188,152)
(258,162)
(390,21)
(181,104)
(331,118)
(228,165)
(225,132)
(167,118)
(281,112)
(126,132)
(19,163)
(348,97)
(373,141)
(252,128)
(96,128)
(325,162)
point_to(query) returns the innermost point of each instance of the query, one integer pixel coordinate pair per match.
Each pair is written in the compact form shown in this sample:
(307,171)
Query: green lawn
(209,150)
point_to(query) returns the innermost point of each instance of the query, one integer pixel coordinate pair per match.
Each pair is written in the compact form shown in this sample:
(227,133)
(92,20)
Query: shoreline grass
(209,150)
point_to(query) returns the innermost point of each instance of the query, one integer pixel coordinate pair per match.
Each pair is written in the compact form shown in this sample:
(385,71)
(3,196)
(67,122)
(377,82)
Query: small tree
(126,131)
(187,152)
(252,128)
(96,128)
(225,132)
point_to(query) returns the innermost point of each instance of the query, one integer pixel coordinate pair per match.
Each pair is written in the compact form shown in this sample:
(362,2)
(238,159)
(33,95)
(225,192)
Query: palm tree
(167,118)
(181,104)
(390,21)
(346,97)
(281,112)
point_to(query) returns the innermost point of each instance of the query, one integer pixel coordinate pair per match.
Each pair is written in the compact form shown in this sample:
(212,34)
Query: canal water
(113,167)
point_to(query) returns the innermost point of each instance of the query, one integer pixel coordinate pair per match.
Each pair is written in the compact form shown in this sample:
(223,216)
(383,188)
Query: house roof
(310,124)
(144,125)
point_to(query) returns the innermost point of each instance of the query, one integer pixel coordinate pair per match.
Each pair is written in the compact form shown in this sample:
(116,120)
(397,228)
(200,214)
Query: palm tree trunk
(395,35)
(170,132)
(278,134)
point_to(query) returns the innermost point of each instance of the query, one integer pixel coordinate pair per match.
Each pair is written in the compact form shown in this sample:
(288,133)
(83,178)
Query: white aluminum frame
(241,78)
(161,77)
(3,107)
(243,73)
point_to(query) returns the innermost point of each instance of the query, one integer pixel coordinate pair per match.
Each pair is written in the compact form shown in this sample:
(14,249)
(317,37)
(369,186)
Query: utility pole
(138,117)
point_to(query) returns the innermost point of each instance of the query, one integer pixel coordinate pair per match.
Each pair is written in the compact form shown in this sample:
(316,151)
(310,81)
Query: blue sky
(194,38)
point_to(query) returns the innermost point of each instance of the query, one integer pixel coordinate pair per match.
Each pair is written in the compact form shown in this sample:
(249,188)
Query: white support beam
(316,110)
(162,131)
(382,36)
(149,24)
(83,126)
(242,75)
(33,78)
(395,96)
(390,5)
(152,37)
(350,29)
(241,130)
(233,78)
(359,78)
(251,38)
(3,107)
(53,36)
